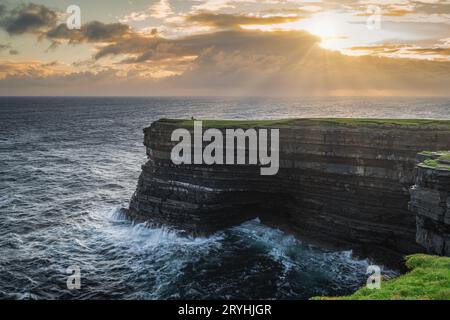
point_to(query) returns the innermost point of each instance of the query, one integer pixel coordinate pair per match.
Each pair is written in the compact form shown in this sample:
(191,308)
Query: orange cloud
(438,52)
(32,69)
(389,13)
(221,20)
(240,63)
(227,60)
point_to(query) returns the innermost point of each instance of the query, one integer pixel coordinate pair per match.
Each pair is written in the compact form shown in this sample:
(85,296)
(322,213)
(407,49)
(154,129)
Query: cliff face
(430,200)
(340,182)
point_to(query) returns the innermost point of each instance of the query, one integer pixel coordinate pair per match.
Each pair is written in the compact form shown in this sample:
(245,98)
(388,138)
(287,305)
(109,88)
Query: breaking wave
(67,166)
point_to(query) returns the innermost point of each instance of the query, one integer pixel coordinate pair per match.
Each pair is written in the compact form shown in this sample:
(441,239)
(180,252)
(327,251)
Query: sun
(323,28)
(326,26)
(330,27)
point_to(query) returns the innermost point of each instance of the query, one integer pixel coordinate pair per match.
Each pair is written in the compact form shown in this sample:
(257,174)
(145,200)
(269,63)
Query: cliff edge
(343,182)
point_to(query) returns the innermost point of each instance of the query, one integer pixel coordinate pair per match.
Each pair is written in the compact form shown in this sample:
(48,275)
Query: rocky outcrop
(342,182)
(430,200)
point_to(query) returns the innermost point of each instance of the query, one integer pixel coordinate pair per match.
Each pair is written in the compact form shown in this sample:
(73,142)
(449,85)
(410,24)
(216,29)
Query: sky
(225,48)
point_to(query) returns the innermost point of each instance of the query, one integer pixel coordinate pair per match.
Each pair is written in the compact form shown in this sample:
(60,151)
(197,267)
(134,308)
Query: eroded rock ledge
(341,181)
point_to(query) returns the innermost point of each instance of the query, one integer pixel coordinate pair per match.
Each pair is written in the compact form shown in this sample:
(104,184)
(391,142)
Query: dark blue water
(68,164)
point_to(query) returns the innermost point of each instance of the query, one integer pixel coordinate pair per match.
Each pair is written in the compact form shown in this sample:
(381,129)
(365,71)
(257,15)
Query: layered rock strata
(341,181)
(430,200)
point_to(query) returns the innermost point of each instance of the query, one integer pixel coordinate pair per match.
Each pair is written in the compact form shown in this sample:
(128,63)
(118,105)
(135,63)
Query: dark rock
(430,199)
(339,183)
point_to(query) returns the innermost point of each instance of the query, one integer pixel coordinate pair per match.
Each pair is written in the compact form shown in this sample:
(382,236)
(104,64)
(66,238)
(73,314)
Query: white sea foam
(66,162)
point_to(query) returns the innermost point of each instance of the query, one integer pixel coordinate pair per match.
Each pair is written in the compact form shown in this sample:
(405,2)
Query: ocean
(67,166)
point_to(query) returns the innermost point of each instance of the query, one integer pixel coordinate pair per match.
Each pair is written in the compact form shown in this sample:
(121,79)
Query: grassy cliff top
(307,121)
(429,279)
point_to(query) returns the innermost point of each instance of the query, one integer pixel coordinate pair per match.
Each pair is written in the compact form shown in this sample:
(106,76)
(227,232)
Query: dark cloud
(2,10)
(143,48)
(156,48)
(99,32)
(10,49)
(221,20)
(29,18)
(94,31)
(4,47)
(42,21)
(243,63)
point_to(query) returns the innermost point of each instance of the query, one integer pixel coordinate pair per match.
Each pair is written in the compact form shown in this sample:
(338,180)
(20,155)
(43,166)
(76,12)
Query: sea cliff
(430,200)
(341,182)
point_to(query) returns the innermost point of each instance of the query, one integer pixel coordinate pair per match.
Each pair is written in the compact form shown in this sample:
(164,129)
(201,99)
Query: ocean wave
(68,166)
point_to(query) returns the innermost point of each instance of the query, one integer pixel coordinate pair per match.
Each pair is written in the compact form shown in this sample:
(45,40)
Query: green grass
(437,160)
(438,154)
(445,157)
(428,279)
(230,123)
(306,121)
(400,122)
(431,163)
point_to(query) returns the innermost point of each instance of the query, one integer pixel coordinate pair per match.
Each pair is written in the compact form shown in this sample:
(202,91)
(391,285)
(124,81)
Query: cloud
(142,48)
(416,10)
(213,5)
(397,12)
(432,51)
(293,63)
(32,69)
(43,22)
(226,60)
(2,10)
(380,48)
(4,47)
(221,20)
(94,31)
(7,47)
(432,7)
(159,10)
(439,51)
(29,18)
(237,62)
(389,11)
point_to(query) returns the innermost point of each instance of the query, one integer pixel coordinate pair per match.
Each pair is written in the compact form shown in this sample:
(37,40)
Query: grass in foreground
(429,279)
